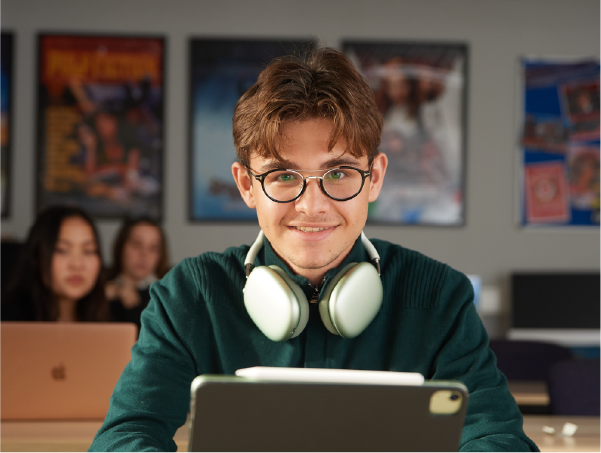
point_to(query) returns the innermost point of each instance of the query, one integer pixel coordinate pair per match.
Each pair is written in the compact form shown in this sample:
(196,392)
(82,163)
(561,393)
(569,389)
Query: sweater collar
(268,256)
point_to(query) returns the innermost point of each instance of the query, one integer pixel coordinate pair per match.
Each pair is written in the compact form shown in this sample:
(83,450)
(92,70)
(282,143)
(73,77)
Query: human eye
(61,248)
(285,177)
(336,175)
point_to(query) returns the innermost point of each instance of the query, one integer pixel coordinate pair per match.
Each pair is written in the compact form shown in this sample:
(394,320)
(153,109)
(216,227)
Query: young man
(307,136)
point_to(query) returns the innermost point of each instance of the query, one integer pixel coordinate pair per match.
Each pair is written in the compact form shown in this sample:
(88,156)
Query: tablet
(236,413)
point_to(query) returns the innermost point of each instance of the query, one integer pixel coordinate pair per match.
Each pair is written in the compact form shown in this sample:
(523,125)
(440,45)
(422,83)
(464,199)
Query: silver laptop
(54,370)
(241,413)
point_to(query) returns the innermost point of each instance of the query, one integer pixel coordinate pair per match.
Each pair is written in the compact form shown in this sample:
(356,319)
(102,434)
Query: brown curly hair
(321,83)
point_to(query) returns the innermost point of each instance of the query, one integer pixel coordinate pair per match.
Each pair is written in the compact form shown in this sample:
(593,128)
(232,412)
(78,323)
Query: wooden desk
(60,435)
(585,439)
(78,435)
(529,393)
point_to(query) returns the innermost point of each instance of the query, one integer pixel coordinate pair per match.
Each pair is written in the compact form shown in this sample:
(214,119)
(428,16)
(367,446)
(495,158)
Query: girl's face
(141,252)
(75,262)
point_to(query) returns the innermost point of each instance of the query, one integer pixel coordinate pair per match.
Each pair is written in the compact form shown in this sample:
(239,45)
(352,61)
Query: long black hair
(27,296)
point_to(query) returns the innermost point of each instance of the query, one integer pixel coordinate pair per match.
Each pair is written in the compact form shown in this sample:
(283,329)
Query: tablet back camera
(445,402)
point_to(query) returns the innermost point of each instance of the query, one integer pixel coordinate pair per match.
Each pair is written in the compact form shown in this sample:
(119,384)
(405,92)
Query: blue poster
(560,143)
(221,71)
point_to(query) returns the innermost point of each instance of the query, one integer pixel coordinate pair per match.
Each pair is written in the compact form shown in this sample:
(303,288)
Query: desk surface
(78,435)
(60,435)
(586,437)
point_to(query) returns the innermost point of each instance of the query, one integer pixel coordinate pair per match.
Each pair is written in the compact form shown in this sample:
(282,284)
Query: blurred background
(490,244)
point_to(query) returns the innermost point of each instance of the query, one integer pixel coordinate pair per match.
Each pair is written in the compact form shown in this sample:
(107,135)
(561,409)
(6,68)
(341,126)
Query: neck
(66,310)
(315,277)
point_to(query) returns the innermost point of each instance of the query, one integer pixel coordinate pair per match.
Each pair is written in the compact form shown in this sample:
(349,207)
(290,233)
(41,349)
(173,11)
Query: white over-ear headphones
(279,308)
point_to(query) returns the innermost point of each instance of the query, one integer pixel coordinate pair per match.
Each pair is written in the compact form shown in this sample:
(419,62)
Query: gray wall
(498,33)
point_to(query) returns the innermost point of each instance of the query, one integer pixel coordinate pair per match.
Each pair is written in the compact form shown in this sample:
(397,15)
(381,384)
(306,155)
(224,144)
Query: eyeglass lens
(340,183)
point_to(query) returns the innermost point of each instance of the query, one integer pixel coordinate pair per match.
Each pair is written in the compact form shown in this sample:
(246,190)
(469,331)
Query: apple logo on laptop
(58,373)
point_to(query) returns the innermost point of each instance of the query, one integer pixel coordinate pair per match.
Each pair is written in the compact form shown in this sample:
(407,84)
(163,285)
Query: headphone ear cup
(351,300)
(275,303)
(303,304)
(324,309)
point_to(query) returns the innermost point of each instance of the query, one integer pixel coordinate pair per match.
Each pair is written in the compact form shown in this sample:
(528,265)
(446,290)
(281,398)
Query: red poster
(546,193)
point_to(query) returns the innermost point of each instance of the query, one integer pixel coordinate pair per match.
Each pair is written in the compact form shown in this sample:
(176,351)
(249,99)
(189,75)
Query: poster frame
(157,213)
(8,59)
(416,46)
(550,107)
(293,44)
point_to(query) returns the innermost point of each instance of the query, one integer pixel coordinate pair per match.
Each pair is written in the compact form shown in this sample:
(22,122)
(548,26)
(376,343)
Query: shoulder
(400,260)
(210,267)
(208,264)
(414,280)
(211,277)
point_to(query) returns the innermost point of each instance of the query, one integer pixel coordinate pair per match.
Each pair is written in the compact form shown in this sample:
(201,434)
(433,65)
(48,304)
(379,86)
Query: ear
(376,179)
(244,183)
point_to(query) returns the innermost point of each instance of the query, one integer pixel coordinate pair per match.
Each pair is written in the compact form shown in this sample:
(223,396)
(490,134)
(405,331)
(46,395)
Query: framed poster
(420,89)
(559,153)
(100,132)
(221,70)
(6,96)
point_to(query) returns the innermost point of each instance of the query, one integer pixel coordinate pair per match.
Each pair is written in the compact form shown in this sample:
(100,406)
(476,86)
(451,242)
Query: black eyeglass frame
(262,176)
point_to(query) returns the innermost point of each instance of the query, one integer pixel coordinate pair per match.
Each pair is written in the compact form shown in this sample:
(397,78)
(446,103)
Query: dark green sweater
(196,324)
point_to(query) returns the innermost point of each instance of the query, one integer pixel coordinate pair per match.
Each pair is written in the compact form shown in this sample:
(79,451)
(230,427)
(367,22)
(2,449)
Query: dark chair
(527,360)
(574,387)
(9,255)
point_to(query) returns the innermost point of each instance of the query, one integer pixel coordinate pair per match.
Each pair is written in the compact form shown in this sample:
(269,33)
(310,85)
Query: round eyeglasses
(340,183)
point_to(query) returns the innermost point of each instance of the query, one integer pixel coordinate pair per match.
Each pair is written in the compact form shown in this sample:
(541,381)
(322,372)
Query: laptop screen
(54,370)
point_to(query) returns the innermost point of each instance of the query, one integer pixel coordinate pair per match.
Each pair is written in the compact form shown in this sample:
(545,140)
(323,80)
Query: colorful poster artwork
(6,83)
(546,193)
(420,89)
(560,143)
(221,71)
(583,173)
(100,124)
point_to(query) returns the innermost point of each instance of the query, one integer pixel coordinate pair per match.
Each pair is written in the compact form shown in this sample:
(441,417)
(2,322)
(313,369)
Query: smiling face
(75,261)
(314,233)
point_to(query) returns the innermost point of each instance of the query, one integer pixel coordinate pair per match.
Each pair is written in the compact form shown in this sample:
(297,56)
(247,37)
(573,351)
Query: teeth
(309,229)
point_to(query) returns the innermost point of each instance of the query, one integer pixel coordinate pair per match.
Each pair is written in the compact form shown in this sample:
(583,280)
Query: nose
(313,201)
(77,260)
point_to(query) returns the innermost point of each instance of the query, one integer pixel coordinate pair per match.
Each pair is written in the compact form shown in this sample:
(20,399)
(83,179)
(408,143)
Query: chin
(76,296)
(82,294)
(310,263)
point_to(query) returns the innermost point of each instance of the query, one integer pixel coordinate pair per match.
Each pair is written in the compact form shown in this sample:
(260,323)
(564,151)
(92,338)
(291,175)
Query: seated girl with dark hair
(58,275)
(139,259)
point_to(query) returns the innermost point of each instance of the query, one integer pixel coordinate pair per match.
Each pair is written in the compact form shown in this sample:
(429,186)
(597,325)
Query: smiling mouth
(310,229)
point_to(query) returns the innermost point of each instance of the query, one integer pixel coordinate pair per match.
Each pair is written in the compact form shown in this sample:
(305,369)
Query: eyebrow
(65,241)
(334,162)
